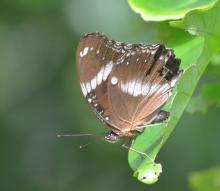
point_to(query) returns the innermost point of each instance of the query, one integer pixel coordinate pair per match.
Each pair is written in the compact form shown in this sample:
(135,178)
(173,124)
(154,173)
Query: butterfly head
(111,137)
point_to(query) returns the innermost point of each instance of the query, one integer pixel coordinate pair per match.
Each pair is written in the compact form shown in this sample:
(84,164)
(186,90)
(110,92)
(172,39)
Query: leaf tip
(149,174)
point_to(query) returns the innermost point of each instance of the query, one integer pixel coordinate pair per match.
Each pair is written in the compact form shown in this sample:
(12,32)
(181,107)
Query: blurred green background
(40,97)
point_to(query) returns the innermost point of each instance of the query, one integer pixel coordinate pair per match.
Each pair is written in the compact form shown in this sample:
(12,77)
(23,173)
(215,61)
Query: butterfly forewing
(125,84)
(95,61)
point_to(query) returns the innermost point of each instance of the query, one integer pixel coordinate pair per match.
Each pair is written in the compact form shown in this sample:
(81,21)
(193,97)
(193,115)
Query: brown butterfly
(126,84)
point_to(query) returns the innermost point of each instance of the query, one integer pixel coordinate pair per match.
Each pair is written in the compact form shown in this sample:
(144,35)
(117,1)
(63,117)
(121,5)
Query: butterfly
(126,85)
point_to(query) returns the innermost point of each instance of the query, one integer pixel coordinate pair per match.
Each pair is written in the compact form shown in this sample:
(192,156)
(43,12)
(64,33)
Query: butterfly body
(126,84)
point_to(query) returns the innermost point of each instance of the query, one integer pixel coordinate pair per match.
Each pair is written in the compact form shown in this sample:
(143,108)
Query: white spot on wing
(102,75)
(83,89)
(99,75)
(93,83)
(137,89)
(145,89)
(173,81)
(88,87)
(107,118)
(124,87)
(153,52)
(131,86)
(150,89)
(84,52)
(114,80)
(161,57)
(107,70)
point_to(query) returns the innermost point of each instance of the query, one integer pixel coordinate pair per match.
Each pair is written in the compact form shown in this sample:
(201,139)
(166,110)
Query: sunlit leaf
(160,10)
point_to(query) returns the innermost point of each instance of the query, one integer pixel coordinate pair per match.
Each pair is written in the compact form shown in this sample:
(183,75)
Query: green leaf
(208,96)
(154,136)
(213,69)
(210,92)
(196,53)
(206,180)
(161,10)
(202,22)
(216,60)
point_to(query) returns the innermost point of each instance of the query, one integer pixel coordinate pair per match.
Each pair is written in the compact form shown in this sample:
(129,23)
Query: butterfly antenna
(138,152)
(74,135)
(83,146)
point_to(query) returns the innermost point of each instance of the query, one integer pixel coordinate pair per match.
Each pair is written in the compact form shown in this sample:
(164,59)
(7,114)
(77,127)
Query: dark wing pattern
(125,84)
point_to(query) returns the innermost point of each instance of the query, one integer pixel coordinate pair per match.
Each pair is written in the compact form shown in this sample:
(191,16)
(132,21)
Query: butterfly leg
(160,117)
